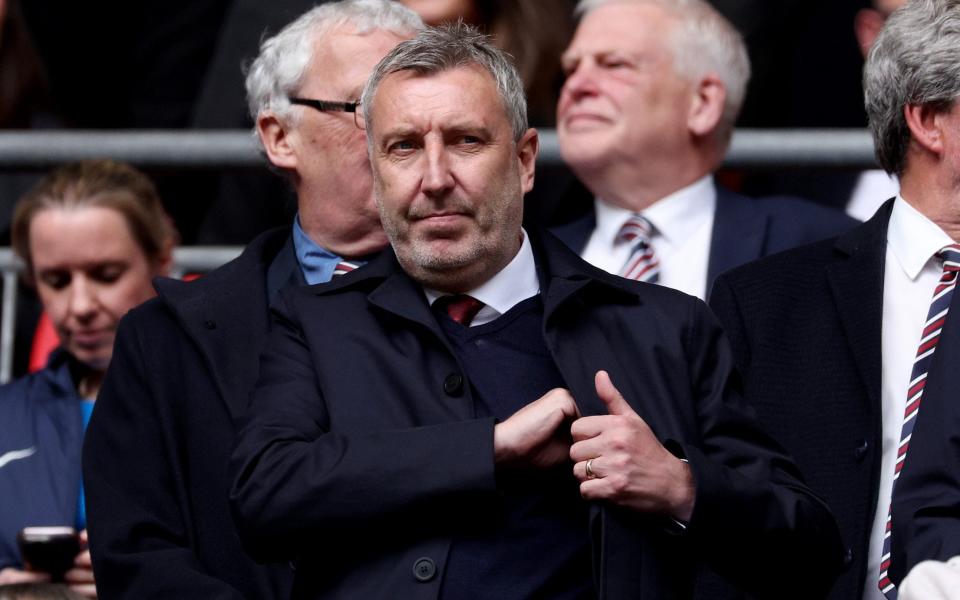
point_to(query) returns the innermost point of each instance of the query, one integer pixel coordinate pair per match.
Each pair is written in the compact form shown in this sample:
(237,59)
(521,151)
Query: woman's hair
(104,184)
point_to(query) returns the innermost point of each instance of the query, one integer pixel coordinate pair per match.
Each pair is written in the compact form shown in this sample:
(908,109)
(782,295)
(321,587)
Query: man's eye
(614,63)
(401,146)
(471,139)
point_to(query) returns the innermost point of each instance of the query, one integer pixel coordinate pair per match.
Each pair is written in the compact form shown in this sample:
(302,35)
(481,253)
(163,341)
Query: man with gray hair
(840,341)
(156,451)
(481,414)
(645,117)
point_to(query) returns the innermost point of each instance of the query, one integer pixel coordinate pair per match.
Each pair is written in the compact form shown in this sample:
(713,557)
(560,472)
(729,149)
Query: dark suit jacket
(926,507)
(156,450)
(361,456)
(805,330)
(744,229)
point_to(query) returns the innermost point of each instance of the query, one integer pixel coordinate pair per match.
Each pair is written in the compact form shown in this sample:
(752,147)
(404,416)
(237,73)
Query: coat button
(424,569)
(861,450)
(453,384)
(847,557)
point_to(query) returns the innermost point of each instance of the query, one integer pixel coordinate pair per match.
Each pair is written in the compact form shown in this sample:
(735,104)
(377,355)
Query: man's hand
(535,435)
(628,465)
(80,577)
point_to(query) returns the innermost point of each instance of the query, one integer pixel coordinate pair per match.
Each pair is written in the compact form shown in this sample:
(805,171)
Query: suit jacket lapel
(856,280)
(576,233)
(738,233)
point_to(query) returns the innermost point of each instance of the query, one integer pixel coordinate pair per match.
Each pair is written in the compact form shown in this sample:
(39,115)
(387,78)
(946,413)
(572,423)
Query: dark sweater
(534,543)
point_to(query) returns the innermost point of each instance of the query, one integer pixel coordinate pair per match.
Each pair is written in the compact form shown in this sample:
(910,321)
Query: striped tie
(643,264)
(343,267)
(936,317)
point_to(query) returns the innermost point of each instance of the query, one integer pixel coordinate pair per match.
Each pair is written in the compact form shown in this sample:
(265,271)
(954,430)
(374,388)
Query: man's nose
(581,81)
(437,176)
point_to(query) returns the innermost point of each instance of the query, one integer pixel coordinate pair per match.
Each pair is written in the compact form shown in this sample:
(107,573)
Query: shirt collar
(513,284)
(913,238)
(316,262)
(675,217)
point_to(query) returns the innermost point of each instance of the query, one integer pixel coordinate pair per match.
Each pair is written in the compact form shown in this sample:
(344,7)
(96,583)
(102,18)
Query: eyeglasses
(330,106)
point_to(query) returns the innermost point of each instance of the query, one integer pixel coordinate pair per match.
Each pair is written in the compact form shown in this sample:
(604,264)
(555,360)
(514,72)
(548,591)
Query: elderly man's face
(332,170)
(623,100)
(449,178)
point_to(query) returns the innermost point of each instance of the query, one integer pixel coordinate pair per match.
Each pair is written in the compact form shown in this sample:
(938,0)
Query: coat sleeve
(295,481)
(754,518)
(139,538)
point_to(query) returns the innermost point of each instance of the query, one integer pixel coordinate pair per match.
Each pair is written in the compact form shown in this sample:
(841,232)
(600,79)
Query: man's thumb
(611,396)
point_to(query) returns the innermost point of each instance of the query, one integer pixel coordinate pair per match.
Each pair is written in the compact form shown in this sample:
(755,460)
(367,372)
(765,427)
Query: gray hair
(278,70)
(447,47)
(914,61)
(703,42)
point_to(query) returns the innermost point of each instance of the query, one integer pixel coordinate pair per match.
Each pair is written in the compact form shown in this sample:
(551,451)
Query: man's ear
(706,109)
(275,137)
(925,126)
(527,149)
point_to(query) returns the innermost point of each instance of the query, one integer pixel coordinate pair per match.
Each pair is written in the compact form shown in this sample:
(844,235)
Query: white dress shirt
(683,223)
(513,284)
(911,273)
(932,580)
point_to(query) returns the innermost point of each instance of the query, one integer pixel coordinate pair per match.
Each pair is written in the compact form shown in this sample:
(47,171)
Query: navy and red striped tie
(936,317)
(643,264)
(343,267)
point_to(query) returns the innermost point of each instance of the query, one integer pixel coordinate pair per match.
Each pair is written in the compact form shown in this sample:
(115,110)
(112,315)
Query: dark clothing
(744,229)
(375,440)
(155,457)
(537,547)
(926,507)
(41,433)
(805,329)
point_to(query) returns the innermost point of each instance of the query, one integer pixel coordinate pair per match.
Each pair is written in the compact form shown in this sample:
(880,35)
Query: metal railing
(237,149)
(750,148)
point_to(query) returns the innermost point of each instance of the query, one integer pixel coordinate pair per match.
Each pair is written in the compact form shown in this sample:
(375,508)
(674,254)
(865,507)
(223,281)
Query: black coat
(156,450)
(805,327)
(361,457)
(744,229)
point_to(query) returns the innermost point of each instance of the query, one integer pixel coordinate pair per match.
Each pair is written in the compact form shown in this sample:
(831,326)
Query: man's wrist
(685,494)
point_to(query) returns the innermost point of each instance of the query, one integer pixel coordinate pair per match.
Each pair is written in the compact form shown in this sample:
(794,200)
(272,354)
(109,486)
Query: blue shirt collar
(316,263)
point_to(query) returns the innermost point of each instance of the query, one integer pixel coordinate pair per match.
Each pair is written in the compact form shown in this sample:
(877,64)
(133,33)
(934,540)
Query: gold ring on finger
(590,473)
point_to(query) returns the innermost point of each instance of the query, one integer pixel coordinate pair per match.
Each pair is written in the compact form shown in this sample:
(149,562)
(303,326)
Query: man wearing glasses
(156,451)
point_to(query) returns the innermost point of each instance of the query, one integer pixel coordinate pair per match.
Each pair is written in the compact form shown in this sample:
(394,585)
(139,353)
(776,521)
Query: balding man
(652,93)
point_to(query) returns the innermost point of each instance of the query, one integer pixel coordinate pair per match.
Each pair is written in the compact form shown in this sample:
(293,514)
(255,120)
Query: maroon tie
(460,307)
